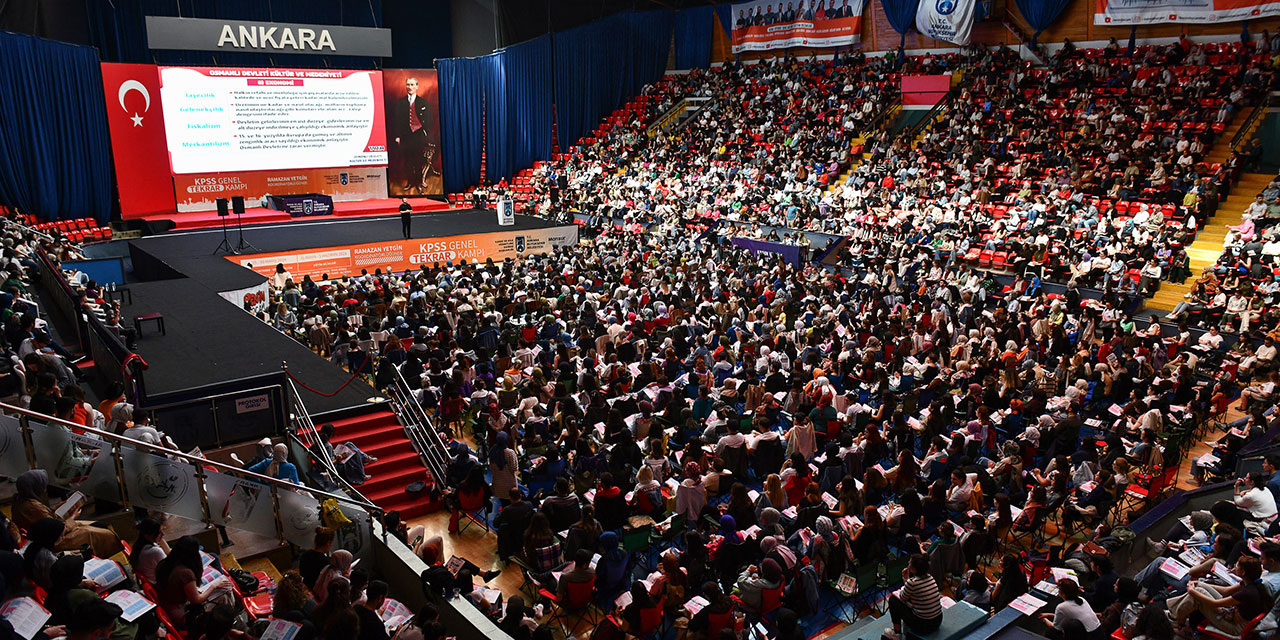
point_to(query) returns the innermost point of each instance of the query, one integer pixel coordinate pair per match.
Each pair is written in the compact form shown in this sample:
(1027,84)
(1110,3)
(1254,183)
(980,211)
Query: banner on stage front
(947,20)
(252,299)
(764,24)
(1129,12)
(200,191)
(410,255)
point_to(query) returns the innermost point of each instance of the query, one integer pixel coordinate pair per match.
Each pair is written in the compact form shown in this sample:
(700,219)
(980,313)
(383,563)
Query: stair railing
(302,431)
(131,472)
(1241,138)
(419,428)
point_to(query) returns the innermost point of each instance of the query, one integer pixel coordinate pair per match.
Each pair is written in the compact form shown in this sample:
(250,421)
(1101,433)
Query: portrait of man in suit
(412,115)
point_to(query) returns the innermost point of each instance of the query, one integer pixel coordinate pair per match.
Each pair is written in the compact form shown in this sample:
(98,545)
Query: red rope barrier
(330,395)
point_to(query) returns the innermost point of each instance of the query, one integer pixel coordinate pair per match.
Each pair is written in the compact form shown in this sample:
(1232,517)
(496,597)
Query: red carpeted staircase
(380,435)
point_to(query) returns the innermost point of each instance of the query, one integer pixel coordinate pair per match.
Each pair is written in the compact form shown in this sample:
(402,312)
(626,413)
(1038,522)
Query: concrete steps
(1208,244)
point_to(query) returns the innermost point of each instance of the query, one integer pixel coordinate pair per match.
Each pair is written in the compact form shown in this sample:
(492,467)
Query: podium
(506,212)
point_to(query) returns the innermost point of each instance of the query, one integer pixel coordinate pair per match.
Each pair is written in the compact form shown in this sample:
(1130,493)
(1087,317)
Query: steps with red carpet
(380,435)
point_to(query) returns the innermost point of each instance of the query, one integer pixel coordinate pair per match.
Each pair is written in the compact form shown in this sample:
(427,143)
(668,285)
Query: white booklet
(26,615)
(104,572)
(74,500)
(281,630)
(1028,604)
(394,614)
(131,602)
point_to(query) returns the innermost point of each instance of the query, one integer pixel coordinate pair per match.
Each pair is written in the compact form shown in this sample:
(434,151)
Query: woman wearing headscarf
(339,567)
(771,547)
(769,525)
(70,589)
(278,466)
(502,464)
(612,566)
(29,507)
(732,551)
(754,581)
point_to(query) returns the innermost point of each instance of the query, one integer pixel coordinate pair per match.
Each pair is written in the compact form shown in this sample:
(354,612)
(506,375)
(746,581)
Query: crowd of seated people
(767,429)
(1092,170)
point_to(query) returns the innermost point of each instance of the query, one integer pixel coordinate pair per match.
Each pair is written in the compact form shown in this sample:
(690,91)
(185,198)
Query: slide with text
(242,119)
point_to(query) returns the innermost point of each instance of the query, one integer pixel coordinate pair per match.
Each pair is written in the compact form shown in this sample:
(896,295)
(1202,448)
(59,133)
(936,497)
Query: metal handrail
(298,412)
(420,430)
(914,130)
(199,461)
(1257,112)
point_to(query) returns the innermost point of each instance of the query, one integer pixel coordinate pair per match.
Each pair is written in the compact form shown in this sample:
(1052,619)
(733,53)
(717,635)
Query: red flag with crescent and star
(143,178)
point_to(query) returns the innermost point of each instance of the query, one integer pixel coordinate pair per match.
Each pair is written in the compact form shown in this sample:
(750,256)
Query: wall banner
(765,24)
(1127,12)
(948,20)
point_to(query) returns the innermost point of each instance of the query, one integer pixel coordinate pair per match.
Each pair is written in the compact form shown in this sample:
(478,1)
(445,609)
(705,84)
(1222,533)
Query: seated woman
(347,458)
(1227,608)
(178,582)
(474,490)
(1155,581)
(70,590)
(340,562)
(148,550)
(439,579)
(1073,608)
(37,561)
(719,606)
(612,566)
(671,585)
(30,505)
(1012,582)
(754,581)
(918,605)
(278,466)
(541,549)
(872,540)
(292,598)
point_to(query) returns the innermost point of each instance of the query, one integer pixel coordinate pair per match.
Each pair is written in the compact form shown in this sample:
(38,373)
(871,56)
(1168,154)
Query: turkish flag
(143,178)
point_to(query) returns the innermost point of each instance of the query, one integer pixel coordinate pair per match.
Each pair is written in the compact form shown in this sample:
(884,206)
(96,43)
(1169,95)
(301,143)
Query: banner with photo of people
(412,101)
(768,24)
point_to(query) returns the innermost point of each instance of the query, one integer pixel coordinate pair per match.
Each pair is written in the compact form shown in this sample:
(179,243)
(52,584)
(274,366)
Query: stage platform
(257,215)
(190,254)
(209,340)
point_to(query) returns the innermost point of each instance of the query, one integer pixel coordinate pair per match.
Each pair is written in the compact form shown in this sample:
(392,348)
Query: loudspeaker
(237,204)
(222,207)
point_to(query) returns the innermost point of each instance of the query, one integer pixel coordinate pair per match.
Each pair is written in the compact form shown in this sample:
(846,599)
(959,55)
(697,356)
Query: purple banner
(789,252)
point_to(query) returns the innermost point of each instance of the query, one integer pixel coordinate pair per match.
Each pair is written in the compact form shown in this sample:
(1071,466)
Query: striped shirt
(921,594)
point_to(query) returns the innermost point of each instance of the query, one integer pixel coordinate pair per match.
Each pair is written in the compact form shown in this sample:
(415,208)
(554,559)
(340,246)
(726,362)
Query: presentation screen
(229,119)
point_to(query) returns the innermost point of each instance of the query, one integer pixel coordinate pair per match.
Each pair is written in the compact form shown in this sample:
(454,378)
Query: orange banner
(407,255)
(198,192)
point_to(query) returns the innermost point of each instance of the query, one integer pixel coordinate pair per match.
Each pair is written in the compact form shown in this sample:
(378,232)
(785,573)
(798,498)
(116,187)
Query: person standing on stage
(411,115)
(406,218)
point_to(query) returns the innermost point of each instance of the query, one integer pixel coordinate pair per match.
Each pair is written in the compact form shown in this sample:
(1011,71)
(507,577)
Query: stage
(185,220)
(210,340)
